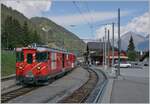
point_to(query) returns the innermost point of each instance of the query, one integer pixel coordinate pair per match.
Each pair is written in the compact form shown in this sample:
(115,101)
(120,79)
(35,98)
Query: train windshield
(19,56)
(29,58)
(41,56)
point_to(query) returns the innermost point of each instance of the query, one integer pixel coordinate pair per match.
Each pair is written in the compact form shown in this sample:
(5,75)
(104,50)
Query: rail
(81,94)
(92,90)
(97,93)
(12,76)
(7,96)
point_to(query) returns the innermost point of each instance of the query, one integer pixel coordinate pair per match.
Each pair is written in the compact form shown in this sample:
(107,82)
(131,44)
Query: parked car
(123,65)
(146,64)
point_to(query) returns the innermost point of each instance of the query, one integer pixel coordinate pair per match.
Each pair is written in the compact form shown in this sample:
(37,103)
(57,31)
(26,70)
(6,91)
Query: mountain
(57,34)
(144,45)
(8,11)
(136,39)
(52,34)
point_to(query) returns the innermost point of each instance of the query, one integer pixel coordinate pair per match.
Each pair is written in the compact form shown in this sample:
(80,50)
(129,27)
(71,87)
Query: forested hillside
(18,31)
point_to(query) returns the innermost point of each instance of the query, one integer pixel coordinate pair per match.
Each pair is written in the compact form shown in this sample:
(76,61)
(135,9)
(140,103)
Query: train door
(29,55)
(63,60)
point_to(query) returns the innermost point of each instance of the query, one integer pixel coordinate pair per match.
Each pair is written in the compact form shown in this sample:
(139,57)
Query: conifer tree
(131,46)
(7,32)
(26,34)
(131,50)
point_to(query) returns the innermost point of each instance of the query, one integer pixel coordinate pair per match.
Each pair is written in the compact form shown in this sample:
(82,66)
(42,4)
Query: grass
(7,63)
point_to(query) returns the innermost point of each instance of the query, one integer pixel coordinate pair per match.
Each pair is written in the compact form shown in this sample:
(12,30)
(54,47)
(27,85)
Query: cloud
(138,24)
(77,19)
(29,8)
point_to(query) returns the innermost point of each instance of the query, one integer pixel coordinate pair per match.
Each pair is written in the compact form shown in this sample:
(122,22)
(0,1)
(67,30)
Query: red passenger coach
(39,64)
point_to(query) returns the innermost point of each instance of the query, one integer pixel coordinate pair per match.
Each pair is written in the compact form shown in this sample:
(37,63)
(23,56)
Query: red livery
(38,64)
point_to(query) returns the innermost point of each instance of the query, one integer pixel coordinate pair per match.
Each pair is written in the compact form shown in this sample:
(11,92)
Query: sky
(86,18)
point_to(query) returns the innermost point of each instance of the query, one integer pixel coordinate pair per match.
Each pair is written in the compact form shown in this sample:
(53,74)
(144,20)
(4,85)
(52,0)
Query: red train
(38,64)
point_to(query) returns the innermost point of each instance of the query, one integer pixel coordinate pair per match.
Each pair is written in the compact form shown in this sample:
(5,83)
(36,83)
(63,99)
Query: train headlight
(38,67)
(20,67)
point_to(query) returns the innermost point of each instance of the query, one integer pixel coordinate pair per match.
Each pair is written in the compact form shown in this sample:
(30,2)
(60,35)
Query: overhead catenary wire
(90,26)
(80,12)
(87,6)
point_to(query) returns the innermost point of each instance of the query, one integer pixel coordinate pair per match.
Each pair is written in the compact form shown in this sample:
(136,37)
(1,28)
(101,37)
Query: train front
(31,65)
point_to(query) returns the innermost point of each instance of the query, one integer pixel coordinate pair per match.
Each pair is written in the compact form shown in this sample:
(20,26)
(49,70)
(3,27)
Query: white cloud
(29,8)
(76,19)
(138,24)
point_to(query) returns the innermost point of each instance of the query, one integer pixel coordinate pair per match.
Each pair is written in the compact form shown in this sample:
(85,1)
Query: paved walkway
(7,84)
(130,90)
(133,87)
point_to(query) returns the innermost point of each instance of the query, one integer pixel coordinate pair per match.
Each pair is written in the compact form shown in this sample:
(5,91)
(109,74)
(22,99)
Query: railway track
(13,76)
(8,82)
(97,93)
(86,93)
(15,93)
(7,96)
(79,96)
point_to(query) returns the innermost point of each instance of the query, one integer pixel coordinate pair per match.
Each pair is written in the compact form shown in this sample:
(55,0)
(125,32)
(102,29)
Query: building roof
(96,46)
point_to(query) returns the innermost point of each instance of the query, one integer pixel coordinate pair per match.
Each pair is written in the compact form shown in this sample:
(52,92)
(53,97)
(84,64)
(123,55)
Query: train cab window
(29,58)
(19,56)
(41,56)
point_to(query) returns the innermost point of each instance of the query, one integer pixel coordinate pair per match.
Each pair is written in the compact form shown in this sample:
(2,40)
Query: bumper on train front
(32,80)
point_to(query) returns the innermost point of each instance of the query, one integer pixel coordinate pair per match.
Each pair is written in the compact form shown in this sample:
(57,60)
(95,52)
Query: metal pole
(112,44)
(105,46)
(119,43)
(103,43)
(108,48)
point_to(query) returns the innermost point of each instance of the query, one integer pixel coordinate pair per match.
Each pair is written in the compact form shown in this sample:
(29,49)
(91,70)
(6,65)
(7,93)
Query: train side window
(53,60)
(19,56)
(67,56)
(41,56)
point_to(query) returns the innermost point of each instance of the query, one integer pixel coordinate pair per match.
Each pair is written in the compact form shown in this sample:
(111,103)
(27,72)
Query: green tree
(35,37)
(17,34)
(131,50)
(26,34)
(7,33)
(11,34)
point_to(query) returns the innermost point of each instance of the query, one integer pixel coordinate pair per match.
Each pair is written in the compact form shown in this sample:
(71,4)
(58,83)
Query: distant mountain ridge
(141,43)
(52,34)
(144,46)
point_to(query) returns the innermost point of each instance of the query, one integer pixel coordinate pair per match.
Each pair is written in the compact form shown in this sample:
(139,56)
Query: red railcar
(39,64)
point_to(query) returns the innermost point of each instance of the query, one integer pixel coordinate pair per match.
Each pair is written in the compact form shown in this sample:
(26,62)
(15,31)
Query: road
(133,87)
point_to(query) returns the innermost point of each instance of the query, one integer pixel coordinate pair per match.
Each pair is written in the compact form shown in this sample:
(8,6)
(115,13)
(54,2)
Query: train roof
(41,49)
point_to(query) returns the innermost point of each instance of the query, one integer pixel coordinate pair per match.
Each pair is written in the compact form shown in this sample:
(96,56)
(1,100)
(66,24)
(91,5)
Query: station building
(95,52)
